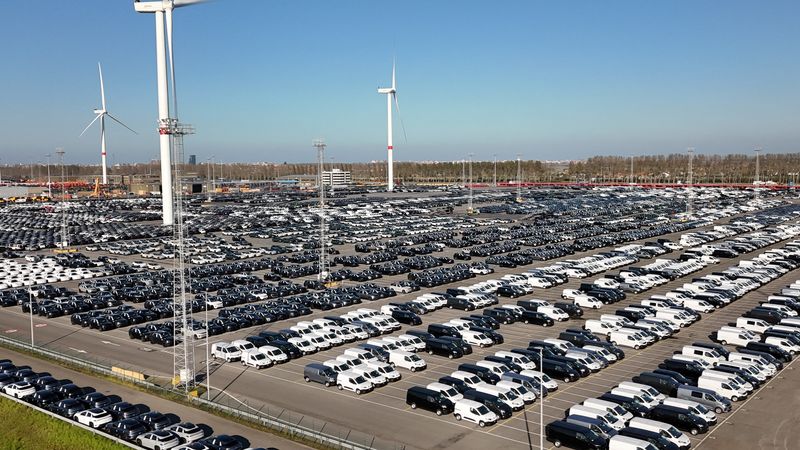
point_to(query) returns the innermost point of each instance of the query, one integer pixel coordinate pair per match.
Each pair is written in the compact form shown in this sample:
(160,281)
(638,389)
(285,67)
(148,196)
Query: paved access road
(186,413)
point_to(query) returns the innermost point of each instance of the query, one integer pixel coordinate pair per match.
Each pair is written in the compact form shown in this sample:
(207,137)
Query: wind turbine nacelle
(98,111)
(386,91)
(150,6)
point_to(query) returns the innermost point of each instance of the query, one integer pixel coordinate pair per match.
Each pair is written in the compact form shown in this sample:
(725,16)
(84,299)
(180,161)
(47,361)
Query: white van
(471,380)
(758,361)
(338,365)
(673,315)
(497,368)
(275,354)
(226,351)
(406,360)
(620,442)
(725,388)
(595,413)
(475,412)
(638,387)
(360,353)
(384,369)
(708,354)
(353,382)
(640,397)
(504,395)
(413,341)
(587,301)
(615,409)
(254,358)
(614,319)
(626,338)
(600,327)
(782,308)
(518,389)
(476,338)
(448,392)
(754,325)
(666,430)
(372,375)
(520,360)
(735,336)
(782,343)
(304,345)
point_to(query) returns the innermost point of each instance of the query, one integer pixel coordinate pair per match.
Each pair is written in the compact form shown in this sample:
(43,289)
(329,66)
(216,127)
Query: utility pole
(463,173)
(49,188)
(690,192)
(64,237)
(469,207)
(319,144)
(495,170)
(519,177)
(631,182)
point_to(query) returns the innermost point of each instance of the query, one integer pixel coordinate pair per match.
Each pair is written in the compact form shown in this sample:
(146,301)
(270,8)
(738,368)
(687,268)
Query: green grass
(23,428)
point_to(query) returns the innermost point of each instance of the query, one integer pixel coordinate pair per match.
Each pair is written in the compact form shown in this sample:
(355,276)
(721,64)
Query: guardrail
(281,420)
(71,422)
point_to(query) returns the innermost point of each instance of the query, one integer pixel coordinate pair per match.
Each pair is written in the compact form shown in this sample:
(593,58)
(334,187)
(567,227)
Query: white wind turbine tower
(162,9)
(391,96)
(101,115)
(171,133)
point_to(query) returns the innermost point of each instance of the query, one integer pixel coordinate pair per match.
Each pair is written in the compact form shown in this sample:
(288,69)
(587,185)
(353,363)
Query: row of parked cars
(110,414)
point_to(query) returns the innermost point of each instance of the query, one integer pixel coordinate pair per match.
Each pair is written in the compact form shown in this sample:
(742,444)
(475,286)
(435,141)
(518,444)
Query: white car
(187,431)
(19,389)
(161,440)
(94,417)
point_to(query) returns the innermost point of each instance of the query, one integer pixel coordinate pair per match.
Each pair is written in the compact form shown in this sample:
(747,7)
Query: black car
(680,418)
(406,317)
(428,399)
(125,410)
(561,432)
(225,442)
(536,318)
(67,407)
(126,429)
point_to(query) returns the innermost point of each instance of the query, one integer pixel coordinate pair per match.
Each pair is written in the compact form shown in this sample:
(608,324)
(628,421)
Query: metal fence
(289,423)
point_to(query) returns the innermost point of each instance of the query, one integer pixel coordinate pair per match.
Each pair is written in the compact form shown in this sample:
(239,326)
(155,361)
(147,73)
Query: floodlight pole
(495,170)
(30,309)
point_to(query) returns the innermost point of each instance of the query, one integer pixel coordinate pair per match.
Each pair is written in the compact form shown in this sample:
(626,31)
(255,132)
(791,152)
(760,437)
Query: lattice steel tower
(183,351)
(319,144)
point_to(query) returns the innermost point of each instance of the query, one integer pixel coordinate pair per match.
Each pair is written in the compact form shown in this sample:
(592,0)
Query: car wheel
(91,424)
(735,398)
(413,405)
(457,416)
(413,369)
(723,342)
(450,356)
(340,387)
(481,424)
(718,410)
(358,391)
(557,443)
(139,442)
(438,412)
(694,431)
(566,379)
(527,321)
(430,352)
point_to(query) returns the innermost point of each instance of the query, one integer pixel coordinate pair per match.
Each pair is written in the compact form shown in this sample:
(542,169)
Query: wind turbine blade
(90,124)
(168,15)
(102,88)
(181,3)
(402,125)
(394,86)
(119,122)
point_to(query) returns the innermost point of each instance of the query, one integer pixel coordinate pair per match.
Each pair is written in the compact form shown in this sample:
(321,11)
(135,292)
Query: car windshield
(482,410)
(359,380)
(373,374)
(673,432)
(472,380)
(450,392)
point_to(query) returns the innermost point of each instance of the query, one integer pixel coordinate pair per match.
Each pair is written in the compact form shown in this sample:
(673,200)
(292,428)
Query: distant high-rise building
(336,177)
(192,160)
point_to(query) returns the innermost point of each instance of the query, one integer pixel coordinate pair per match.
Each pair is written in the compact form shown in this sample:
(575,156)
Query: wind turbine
(391,96)
(162,9)
(101,115)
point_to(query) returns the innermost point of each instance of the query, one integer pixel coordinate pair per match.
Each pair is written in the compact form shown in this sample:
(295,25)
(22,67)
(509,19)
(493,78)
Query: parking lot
(384,412)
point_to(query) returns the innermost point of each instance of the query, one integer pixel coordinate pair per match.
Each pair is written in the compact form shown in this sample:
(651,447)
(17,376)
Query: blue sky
(260,79)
